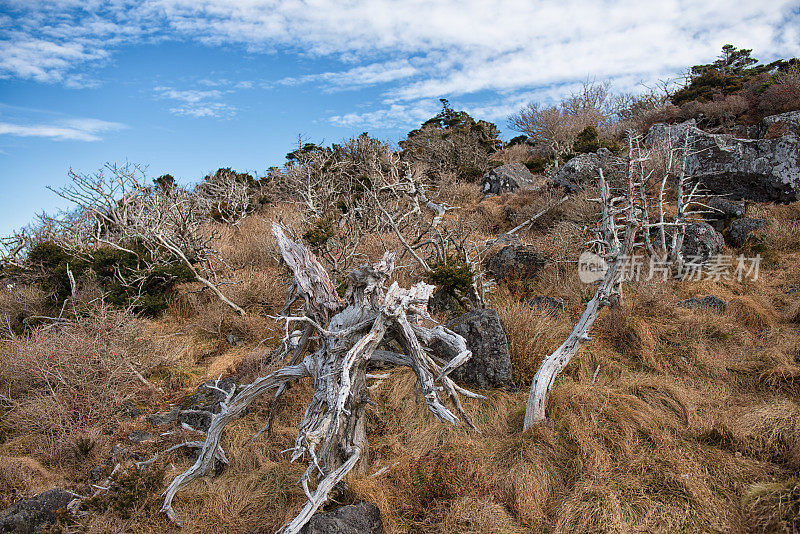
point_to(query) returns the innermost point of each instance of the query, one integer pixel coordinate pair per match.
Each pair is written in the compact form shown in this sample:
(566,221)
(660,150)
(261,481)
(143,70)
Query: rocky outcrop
(764,170)
(709,302)
(701,242)
(723,208)
(722,211)
(674,134)
(515,262)
(490,365)
(508,177)
(363,518)
(584,168)
(30,516)
(741,231)
(780,125)
(444,302)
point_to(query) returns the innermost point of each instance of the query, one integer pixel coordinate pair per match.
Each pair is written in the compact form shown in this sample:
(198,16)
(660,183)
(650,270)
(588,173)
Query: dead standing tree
(616,236)
(350,333)
(622,218)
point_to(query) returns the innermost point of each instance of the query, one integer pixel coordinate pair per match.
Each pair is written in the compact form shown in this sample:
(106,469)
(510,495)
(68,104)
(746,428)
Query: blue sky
(188,86)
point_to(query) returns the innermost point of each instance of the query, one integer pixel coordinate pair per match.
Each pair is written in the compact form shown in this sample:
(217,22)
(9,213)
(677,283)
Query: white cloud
(197,103)
(422,49)
(79,129)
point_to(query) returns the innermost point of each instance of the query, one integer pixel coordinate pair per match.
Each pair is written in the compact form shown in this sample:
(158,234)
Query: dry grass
(22,477)
(67,383)
(774,507)
(668,420)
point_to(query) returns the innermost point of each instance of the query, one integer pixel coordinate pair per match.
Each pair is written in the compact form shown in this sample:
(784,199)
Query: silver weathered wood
(348,333)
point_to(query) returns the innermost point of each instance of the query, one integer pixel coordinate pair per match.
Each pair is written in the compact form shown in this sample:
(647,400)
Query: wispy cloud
(356,77)
(197,103)
(80,129)
(418,49)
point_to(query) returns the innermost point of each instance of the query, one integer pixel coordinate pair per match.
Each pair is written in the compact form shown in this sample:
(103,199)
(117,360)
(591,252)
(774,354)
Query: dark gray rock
(29,516)
(445,303)
(723,211)
(198,409)
(710,302)
(490,365)
(508,177)
(159,419)
(764,170)
(363,518)
(741,231)
(128,409)
(548,305)
(140,436)
(674,134)
(724,208)
(584,168)
(701,242)
(782,124)
(120,453)
(515,262)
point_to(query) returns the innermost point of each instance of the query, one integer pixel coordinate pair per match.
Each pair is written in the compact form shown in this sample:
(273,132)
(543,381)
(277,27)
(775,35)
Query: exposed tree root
(346,334)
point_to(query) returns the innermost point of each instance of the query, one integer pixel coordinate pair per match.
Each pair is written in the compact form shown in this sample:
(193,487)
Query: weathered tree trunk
(616,252)
(350,333)
(558,360)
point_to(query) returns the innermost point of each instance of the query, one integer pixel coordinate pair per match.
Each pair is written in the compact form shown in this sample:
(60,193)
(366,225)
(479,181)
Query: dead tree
(117,208)
(350,333)
(619,222)
(624,218)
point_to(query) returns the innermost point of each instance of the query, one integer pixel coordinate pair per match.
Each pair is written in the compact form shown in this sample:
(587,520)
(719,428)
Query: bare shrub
(557,127)
(17,304)
(64,382)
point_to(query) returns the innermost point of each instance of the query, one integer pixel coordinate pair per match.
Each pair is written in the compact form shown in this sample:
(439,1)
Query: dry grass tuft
(752,311)
(22,477)
(769,431)
(773,507)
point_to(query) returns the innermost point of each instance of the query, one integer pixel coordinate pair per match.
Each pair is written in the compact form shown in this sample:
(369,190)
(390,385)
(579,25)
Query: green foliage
(51,263)
(727,75)
(588,140)
(452,141)
(519,140)
(48,262)
(470,173)
(304,150)
(732,60)
(165,182)
(320,233)
(452,275)
(538,165)
(703,87)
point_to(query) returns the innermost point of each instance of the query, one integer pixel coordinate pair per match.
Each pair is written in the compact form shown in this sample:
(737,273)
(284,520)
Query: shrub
(130,490)
(320,233)
(452,276)
(48,264)
(538,165)
(65,382)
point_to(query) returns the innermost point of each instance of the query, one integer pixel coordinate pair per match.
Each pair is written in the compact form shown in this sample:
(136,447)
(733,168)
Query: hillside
(132,322)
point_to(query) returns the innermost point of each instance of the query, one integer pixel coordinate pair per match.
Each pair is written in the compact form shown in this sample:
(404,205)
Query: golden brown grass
(668,420)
